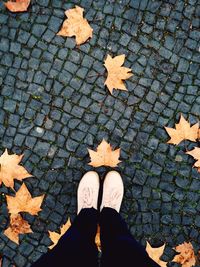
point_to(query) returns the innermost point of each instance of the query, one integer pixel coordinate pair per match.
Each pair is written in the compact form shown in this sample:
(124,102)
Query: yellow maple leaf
(116,73)
(104,156)
(23,201)
(10,169)
(195,153)
(186,255)
(156,253)
(54,236)
(182,131)
(17,226)
(76,25)
(17,5)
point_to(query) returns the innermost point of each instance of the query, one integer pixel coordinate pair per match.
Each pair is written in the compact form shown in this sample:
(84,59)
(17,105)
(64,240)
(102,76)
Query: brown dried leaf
(182,132)
(76,25)
(24,202)
(116,73)
(18,5)
(195,153)
(156,253)
(54,236)
(10,169)
(186,257)
(104,156)
(17,226)
(97,239)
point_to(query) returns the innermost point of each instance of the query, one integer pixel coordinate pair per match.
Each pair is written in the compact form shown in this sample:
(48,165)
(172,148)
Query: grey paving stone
(54,105)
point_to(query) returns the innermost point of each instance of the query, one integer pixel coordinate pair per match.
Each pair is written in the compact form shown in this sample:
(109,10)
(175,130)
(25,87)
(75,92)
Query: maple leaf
(18,5)
(156,253)
(24,202)
(195,153)
(54,236)
(116,73)
(17,226)
(97,239)
(182,132)
(104,156)
(186,257)
(76,25)
(10,169)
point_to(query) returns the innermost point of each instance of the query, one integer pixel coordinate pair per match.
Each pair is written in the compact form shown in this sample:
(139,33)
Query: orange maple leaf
(10,169)
(97,239)
(186,255)
(17,226)
(195,153)
(24,202)
(116,73)
(156,253)
(18,5)
(76,26)
(54,236)
(182,132)
(104,156)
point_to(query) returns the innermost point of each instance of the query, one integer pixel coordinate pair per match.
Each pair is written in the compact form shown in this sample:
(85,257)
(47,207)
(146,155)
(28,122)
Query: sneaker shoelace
(112,199)
(87,197)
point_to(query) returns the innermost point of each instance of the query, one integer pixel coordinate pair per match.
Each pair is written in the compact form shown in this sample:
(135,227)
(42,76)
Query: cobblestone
(54,106)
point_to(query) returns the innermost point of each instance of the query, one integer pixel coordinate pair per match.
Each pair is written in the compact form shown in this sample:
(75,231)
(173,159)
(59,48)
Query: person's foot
(113,191)
(88,191)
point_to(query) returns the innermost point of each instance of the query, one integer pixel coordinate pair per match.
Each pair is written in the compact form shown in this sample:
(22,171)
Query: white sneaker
(113,191)
(88,191)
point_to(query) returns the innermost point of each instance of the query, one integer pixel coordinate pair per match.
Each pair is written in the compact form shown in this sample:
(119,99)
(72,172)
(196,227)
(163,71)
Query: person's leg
(77,246)
(119,248)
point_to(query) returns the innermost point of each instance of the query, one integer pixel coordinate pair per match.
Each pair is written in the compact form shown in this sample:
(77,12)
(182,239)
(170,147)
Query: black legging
(77,247)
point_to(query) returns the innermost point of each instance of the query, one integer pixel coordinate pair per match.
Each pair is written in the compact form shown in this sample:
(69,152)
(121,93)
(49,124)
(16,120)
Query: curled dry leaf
(186,257)
(156,253)
(76,25)
(116,73)
(23,201)
(18,5)
(195,153)
(17,226)
(10,169)
(56,236)
(97,239)
(104,156)
(182,131)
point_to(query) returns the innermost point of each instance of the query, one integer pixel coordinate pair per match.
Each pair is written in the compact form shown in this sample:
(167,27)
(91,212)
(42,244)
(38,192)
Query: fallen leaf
(182,132)
(17,226)
(54,236)
(116,73)
(104,156)
(18,5)
(10,169)
(186,257)
(23,201)
(195,153)
(97,239)
(76,25)
(156,253)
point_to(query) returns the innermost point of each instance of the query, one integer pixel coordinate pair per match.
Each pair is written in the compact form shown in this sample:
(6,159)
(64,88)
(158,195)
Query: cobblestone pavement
(54,105)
